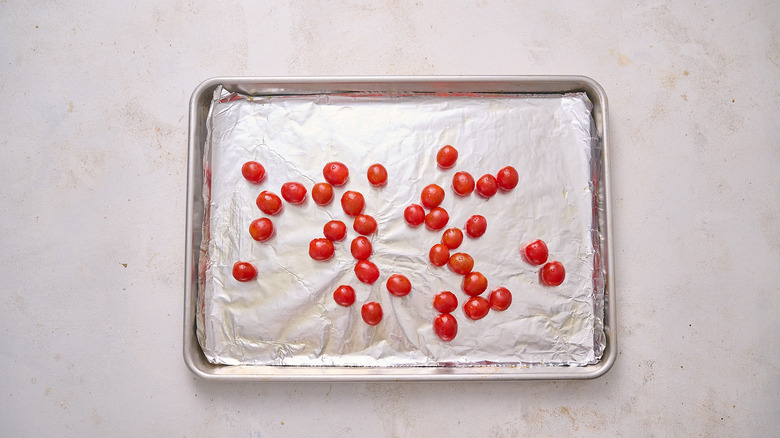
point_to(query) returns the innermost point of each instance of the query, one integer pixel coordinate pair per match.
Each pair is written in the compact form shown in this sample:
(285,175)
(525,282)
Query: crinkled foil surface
(287,316)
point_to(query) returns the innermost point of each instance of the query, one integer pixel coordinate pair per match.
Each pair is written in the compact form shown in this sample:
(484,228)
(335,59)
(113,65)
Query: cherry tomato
(500,298)
(269,203)
(364,224)
(439,254)
(377,175)
(366,271)
(552,274)
(253,171)
(293,192)
(462,183)
(321,249)
(261,229)
(487,186)
(361,248)
(352,203)
(476,308)
(436,219)
(476,226)
(334,230)
(445,302)
(244,271)
(507,178)
(371,313)
(535,253)
(446,157)
(431,196)
(414,215)
(461,263)
(336,173)
(474,283)
(344,295)
(322,193)
(446,327)
(399,285)
(452,238)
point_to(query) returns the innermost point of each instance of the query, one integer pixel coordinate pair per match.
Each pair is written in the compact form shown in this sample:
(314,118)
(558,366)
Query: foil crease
(287,316)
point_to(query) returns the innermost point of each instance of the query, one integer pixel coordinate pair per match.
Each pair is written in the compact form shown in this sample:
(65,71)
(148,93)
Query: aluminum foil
(287,316)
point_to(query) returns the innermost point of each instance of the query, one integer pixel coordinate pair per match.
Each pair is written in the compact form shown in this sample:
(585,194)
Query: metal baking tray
(270,86)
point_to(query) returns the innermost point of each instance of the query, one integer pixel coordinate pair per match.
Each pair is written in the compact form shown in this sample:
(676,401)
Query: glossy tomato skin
(436,219)
(535,253)
(353,203)
(432,196)
(446,327)
(334,230)
(461,263)
(322,193)
(364,224)
(399,285)
(321,249)
(269,203)
(244,271)
(447,157)
(463,183)
(487,186)
(474,283)
(452,238)
(253,171)
(439,254)
(366,271)
(344,295)
(476,308)
(293,192)
(261,229)
(507,178)
(552,274)
(361,248)
(500,299)
(445,302)
(336,173)
(377,175)
(371,313)
(414,215)
(476,226)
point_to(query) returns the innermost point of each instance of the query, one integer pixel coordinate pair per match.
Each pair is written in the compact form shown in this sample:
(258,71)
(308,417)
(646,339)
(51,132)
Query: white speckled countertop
(92,210)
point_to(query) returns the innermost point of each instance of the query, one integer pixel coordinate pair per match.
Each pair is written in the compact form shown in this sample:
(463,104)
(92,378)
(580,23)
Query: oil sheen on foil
(287,315)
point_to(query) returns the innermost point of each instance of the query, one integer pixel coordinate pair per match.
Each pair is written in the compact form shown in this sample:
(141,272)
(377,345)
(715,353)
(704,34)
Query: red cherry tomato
(552,274)
(361,248)
(244,271)
(364,224)
(535,252)
(366,271)
(436,219)
(439,254)
(414,215)
(335,173)
(293,192)
(322,193)
(445,302)
(476,308)
(334,230)
(399,285)
(487,186)
(269,203)
(352,203)
(371,313)
(261,229)
(461,263)
(452,238)
(431,196)
(377,175)
(253,171)
(500,298)
(446,157)
(446,327)
(474,283)
(476,226)
(344,295)
(321,249)
(462,183)
(507,178)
